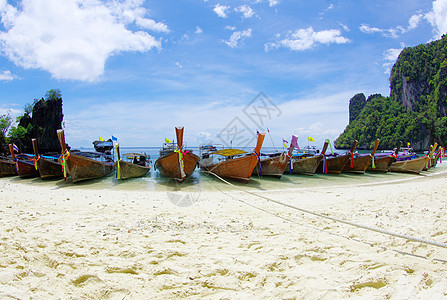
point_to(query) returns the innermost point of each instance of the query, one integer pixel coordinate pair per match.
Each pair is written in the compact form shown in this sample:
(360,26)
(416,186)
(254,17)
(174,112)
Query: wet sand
(58,242)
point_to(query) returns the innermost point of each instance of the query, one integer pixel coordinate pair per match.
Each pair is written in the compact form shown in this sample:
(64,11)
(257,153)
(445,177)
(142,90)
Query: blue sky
(136,69)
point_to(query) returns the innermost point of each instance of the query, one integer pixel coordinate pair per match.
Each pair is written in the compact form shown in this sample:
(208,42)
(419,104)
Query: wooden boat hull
(84,168)
(361,163)
(239,169)
(49,168)
(7,168)
(306,165)
(169,165)
(130,170)
(382,164)
(272,166)
(414,166)
(335,165)
(26,169)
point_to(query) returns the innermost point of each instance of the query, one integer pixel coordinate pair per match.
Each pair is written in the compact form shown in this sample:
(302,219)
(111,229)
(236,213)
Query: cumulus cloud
(238,36)
(438,17)
(247,11)
(7,76)
(72,39)
(303,39)
(390,57)
(220,10)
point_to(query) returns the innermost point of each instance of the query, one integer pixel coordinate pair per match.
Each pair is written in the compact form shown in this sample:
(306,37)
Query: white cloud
(391,32)
(414,21)
(152,25)
(303,39)
(438,17)
(246,10)
(367,29)
(238,36)
(390,57)
(72,39)
(198,30)
(345,27)
(178,65)
(273,3)
(395,32)
(232,28)
(220,10)
(7,76)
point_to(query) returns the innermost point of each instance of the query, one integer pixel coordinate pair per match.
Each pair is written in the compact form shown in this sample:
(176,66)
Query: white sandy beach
(82,243)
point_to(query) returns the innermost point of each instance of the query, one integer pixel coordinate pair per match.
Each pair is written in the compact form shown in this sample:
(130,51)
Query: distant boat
(414,165)
(47,165)
(275,164)
(103,146)
(307,164)
(336,163)
(7,167)
(177,163)
(361,161)
(25,164)
(83,165)
(239,168)
(138,167)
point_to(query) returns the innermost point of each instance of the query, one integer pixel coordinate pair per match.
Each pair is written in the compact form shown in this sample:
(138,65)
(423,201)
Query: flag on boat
(408,144)
(294,142)
(114,139)
(167,140)
(310,139)
(16,149)
(101,139)
(257,132)
(285,143)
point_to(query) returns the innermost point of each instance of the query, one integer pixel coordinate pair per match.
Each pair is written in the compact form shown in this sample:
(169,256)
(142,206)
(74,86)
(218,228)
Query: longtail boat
(139,166)
(82,165)
(382,161)
(307,165)
(7,167)
(361,161)
(177,164)
(47,165)
(335,164)
(25,164)
(239,168)
(274,166)
(414,165)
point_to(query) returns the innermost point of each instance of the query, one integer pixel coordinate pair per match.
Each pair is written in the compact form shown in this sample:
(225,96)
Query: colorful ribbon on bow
(35,161)
(259,163)
(65,157)
(373,163)
(324,164)
(352,159)
(291,162)
(181,153)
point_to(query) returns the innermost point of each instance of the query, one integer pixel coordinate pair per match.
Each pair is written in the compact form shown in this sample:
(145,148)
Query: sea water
(200,180)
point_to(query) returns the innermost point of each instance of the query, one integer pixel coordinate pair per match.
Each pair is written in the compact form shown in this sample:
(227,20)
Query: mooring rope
(383,231)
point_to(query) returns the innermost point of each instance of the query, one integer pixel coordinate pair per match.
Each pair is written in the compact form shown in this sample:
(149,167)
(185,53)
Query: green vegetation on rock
(416,109)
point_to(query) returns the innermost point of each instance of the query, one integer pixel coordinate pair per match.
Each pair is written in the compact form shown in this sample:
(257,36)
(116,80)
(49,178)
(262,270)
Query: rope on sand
(395,234)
